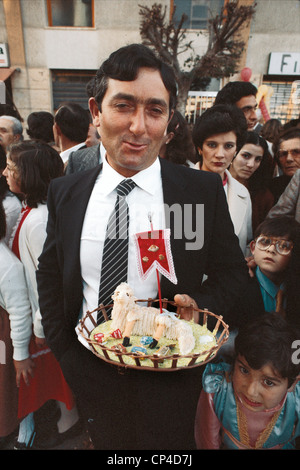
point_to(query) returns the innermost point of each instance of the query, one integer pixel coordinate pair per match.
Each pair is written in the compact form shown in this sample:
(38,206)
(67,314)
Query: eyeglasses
(284,153)
(283,247)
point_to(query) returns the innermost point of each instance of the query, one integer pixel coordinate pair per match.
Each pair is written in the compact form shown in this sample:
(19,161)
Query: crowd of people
(58,187)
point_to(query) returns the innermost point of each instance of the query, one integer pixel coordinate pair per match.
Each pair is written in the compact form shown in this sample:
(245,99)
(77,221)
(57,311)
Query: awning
(6,72)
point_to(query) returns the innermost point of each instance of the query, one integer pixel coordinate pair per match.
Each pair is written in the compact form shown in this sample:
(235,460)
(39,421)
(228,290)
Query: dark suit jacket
(83,159)
(124,404)
(220,257)
(248,307)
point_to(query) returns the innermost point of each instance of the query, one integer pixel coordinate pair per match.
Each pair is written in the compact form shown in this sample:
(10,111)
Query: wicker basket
(194,360)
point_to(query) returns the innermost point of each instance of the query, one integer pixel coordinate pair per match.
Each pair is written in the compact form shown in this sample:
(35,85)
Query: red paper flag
(154,252)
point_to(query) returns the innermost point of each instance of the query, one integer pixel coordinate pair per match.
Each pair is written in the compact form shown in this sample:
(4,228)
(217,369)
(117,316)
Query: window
(78,13)
(198,12)
(70,85)
(284,102)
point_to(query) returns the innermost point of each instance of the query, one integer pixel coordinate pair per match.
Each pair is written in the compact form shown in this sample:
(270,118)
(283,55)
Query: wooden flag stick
(157,273)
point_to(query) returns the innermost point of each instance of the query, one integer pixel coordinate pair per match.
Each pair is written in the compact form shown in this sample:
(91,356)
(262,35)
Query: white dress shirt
(145,198)
(65,153)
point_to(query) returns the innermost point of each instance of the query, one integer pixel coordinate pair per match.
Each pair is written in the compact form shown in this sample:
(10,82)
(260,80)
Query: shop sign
(284,63)
(4,59)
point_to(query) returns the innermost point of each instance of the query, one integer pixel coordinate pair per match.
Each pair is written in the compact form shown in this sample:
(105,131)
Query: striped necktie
(115,250)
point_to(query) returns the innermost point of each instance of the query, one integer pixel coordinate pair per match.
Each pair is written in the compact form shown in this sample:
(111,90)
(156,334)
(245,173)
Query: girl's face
(12,176)
(258,390)
(217,152)
(246,162)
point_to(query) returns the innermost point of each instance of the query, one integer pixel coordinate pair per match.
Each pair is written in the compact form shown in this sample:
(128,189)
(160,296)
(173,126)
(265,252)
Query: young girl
(253,404)
(30,168)
(11,204)
(15,333)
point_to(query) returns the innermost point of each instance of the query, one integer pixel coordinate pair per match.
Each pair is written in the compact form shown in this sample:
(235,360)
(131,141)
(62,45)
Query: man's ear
(95,112)
(170,137)
(16,137)
(56,129)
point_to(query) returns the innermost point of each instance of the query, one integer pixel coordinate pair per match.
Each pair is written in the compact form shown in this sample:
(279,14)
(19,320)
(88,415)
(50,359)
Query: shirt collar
(267,284)
(65,153)
(148,179)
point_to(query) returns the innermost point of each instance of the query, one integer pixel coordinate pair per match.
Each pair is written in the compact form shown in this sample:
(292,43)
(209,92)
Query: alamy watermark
(2,352)
(187,222)
(296,354)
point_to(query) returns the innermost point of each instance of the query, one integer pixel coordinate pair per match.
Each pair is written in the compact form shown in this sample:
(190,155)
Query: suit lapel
(73,213)
(173,192)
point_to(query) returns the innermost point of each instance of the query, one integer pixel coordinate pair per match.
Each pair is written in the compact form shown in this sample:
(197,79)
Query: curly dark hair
(37,163)
(181,147)
(40,126)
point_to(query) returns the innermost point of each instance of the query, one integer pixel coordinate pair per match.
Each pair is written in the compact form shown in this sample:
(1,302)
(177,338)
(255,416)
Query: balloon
(246,73)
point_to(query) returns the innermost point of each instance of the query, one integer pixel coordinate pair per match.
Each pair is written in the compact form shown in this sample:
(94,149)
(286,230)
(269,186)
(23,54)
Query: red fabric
(15,244)
(225,180)
(48,383)
(154,251)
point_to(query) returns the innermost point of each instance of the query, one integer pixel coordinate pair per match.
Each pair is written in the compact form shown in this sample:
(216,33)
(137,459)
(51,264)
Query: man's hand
(188,313)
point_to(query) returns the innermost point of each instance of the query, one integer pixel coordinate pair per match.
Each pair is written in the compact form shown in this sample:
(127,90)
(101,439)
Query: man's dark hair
(232,92)
(269,340)
(73,121)
(40,126)
(124,65)
(218,120)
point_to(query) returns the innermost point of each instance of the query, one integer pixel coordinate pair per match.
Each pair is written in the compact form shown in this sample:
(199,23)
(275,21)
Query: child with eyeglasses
(254,403)
(267,291)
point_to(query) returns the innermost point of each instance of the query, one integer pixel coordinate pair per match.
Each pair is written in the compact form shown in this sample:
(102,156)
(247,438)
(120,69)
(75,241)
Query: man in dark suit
(85,159)
(135,94)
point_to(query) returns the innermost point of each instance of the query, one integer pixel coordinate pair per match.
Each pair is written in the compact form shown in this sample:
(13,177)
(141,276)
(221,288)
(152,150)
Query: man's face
(289,156)
(7,136)
(248,105)
(133,121)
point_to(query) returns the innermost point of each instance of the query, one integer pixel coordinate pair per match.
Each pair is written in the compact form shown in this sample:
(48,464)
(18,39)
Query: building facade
(49,49)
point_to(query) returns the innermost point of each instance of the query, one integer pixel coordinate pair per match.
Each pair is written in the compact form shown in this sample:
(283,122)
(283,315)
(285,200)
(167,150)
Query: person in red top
(30,168)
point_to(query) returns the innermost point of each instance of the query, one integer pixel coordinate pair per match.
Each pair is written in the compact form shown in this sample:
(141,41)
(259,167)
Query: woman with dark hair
(30,168)
(218,135)
(178,146)
(11,204)
(253,168)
